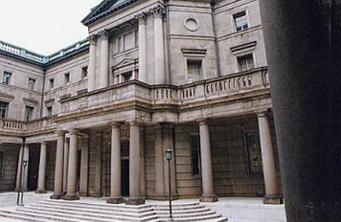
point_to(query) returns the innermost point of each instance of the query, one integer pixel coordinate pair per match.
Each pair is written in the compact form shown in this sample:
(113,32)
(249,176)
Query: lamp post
(20,176)
(23,179)
(169,157)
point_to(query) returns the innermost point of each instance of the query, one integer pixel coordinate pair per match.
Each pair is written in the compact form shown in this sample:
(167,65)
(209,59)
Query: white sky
(44,26)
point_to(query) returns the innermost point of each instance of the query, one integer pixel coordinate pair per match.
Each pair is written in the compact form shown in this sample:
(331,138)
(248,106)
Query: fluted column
(159,51)
(104,65)
(142,47)
(92,64)
(19,176)
(268,159)
(115,169)
(134,166)
(206,164)
(65,164)
(72,171)
(42,169)
(58,175)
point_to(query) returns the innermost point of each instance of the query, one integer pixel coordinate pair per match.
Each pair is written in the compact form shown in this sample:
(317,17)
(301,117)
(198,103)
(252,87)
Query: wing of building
(96,118)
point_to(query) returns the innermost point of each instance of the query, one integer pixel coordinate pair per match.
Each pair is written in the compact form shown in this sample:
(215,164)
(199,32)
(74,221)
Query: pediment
(104,8)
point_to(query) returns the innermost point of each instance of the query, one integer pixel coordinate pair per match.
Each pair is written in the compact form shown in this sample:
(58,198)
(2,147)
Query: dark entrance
(33,167)
(125,178)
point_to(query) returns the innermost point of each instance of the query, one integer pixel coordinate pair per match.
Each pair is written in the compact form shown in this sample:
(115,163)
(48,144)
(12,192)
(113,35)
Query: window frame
(197,135)
(239,15)
(67,78)
(31,109)
(191,60)
(247,154)
(9,78)
(6,109)
(84,72)
(49,110)
(247,65)
(31,87)
(51,83)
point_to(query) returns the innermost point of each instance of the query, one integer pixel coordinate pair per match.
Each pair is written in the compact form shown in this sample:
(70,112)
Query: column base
(208,198)
(71,197)
(41,191)
(273,200)
(57,196)
(115,200)
(83,194)
(162,197)
(135,201)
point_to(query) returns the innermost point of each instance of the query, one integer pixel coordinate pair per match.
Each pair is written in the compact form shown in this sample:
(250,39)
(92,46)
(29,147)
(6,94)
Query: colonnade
(65,182)
(103,38)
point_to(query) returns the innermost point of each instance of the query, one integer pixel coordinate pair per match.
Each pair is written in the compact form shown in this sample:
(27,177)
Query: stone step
(176,204)
(166,208)
(185,215)
(193,211)
(110,209)
(89,212)
(80,203)
(32,217)
(82,217)
(214,217)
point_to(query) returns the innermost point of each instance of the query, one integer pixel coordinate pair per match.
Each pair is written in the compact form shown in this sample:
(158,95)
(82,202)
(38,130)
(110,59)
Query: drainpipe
(215,38)
(168,41)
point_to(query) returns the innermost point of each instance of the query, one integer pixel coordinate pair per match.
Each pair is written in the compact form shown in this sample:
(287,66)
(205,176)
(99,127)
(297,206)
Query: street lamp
(23,179)
(23,165)
(169,157)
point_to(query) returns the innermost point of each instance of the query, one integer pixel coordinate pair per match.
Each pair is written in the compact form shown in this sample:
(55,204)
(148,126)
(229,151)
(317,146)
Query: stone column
(206,164)
(58,175)
(134,166)
(142,47)
(92,64)
(104,65)
(159,51)
(268,159)
(66,164)
(115,168)
(159,164)
(84,177)
(98,165)
(19,176)
(142,163)
(72,171)
(42,169)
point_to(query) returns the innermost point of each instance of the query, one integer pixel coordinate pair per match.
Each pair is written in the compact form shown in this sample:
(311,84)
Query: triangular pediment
(104,8)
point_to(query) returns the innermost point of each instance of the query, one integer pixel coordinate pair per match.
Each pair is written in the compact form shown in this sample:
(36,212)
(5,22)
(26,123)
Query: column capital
(158,11)
(202,121)
(141,18)
(135,123)
(262,113)
(43,143)
(116,124)
(104,34)
(61,133)
(73,131)
(92,39)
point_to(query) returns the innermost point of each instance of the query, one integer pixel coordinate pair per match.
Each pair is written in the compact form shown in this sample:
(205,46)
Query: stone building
(95,118)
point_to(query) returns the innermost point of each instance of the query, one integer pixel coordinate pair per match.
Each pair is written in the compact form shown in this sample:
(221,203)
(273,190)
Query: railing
(169,94)
(40,58)
(16,126)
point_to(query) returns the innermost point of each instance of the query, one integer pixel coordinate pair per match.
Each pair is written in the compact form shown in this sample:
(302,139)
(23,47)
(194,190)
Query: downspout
(42,93)
(168,41)
(215,39)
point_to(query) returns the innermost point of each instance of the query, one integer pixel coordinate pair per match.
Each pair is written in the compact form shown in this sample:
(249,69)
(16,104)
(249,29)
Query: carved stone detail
(141,18)
(158,11)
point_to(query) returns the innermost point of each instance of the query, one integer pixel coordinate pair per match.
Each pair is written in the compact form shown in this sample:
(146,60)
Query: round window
(191,24)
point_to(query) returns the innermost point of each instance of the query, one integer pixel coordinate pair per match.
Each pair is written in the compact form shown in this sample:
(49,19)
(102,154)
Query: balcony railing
(16,126)
(169,94)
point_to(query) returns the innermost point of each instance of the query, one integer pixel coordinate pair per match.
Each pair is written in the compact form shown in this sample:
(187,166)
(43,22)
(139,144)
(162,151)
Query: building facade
(96,118)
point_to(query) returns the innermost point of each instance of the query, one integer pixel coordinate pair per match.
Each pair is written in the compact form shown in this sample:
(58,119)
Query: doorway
(125,177)
(33,168)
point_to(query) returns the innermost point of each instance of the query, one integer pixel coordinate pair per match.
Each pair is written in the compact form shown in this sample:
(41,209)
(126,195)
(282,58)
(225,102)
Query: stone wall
(8,176)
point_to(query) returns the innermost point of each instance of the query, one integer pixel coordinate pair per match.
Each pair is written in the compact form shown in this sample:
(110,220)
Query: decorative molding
(30,101)
(93,39)
(6,97)
(142,18)
(158,11)
(104,34)
(244,47)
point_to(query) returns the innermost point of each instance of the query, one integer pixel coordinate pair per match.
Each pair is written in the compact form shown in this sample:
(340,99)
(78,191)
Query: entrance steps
(78,211)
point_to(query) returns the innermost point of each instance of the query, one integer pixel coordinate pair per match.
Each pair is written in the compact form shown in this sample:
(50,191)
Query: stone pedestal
(206,164)
(58,175)
(42,169)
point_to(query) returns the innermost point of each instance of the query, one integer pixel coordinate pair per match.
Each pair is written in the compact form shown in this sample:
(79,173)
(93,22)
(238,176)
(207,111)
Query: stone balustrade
(168,94)
(21,127)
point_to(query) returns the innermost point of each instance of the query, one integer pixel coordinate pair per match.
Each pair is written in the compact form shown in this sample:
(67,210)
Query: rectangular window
(67,78)
(241,21)
(254,152)
(3,109)
(128,41)
(51,81)
(31,83)
(127,76)
(193,71)
(136,38)
(28,113)
(2,162)
(49,110)
(245,62)
(195,150)
(6,78)
(84,72)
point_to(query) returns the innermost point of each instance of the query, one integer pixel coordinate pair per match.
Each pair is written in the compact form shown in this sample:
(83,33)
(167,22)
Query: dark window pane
(254,152)
(195,149)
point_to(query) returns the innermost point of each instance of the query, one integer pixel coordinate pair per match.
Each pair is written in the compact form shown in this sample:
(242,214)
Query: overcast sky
(44,26)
